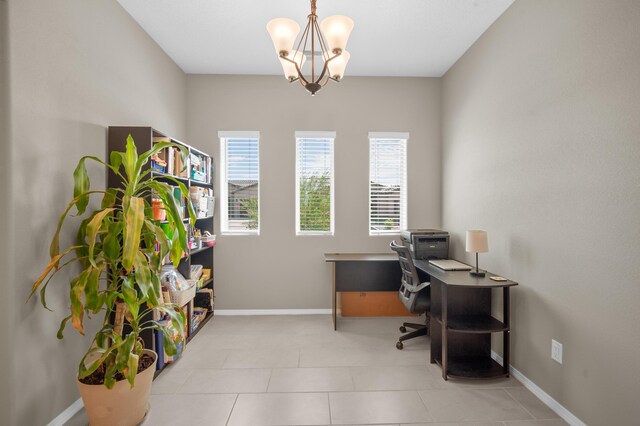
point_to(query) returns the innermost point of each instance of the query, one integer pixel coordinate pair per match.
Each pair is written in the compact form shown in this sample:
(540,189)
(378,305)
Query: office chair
(415,296)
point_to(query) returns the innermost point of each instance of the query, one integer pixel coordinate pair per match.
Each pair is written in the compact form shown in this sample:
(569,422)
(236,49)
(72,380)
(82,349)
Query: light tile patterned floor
(295,370)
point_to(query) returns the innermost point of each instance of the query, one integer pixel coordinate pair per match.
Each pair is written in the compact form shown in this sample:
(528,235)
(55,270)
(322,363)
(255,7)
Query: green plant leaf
(165,193)
(176,316)
(115,158)
(130,296)
(124,352)
(81,185)
(142,273)
(94,299)
(130,159)
(134,218)
(93,228)
(176,251)
(109,198)
(110,371)
(111,242)
(75,297)
(84,370)
(131,370)
(54,247)
(167,342)
(160,236)
(185,193)
(63,324)
(50,267)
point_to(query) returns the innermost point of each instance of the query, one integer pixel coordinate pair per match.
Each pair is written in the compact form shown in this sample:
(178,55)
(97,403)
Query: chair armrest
(419,287)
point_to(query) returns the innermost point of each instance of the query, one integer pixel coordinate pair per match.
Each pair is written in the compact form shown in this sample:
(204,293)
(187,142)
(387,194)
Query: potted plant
(120,250)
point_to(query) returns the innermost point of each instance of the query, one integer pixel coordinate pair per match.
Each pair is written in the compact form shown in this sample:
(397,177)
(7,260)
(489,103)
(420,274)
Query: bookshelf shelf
(201,249)
(195,171)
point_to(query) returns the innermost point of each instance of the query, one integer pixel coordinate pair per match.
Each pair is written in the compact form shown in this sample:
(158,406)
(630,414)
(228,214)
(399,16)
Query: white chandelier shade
(290,71)
(283,32)
(337,65)
(336,30)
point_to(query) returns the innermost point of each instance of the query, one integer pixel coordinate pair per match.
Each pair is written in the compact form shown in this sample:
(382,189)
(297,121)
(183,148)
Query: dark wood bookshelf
(145,138)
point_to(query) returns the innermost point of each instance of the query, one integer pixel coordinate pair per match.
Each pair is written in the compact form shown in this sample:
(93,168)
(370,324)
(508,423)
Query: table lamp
(477,243)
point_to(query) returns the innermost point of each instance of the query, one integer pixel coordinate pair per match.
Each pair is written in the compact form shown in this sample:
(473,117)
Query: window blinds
(240,172)
(314,184)
(387,185)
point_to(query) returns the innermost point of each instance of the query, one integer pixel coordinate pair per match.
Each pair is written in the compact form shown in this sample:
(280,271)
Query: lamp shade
(338,64)
(477,241)
(283,32)
(336,30)
(290,71)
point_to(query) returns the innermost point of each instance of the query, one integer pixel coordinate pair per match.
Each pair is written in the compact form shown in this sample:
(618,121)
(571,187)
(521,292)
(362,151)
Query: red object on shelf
(159,213)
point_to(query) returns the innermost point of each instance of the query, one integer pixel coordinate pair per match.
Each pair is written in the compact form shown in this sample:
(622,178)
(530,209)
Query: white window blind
(314,183)
(387,183)
(240,182)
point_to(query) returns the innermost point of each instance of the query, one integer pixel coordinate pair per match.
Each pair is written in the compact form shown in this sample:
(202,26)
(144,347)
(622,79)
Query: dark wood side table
(462,323)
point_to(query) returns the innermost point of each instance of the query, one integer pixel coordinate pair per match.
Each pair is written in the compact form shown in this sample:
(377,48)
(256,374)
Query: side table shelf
(474,324)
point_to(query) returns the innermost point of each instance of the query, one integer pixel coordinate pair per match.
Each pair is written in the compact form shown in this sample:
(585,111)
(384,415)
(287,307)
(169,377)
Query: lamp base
(478,274)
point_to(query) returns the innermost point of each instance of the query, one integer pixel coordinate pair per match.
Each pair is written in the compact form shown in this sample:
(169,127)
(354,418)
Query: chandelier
(327,41)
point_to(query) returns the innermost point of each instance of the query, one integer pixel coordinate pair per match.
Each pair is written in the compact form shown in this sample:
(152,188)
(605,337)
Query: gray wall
(6,303)
(277,269)
(76,68)
(540,148)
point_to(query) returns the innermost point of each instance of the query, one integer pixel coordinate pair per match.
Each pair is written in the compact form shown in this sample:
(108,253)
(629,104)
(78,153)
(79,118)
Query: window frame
(224,136)
(301,135)
(403,137)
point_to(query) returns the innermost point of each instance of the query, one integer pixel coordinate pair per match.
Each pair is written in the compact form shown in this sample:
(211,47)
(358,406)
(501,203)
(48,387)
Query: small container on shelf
(206,274)
(198,175)
(159,213)
(158,164)
(182,297)
(208,240)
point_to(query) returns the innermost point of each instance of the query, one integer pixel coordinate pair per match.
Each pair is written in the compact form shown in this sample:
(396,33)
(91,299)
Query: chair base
(419,330)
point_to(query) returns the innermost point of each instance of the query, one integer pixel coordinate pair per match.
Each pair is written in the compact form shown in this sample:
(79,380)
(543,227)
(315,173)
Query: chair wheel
(403,329)
(399,345)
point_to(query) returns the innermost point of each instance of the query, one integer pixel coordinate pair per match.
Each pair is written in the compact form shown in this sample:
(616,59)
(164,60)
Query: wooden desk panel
(363,272)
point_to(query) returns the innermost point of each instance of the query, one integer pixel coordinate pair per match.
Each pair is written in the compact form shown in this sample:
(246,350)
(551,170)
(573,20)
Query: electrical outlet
(556,351)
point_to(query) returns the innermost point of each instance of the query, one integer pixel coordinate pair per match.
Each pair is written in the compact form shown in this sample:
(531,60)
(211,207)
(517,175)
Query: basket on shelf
(208,239)
(182,297)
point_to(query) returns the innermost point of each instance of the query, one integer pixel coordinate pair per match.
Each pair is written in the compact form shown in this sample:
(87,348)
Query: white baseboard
(272,311)
(66,415)
(560,410)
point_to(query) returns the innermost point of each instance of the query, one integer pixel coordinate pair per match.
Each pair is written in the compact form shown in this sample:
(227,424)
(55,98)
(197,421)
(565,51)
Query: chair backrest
(408,292)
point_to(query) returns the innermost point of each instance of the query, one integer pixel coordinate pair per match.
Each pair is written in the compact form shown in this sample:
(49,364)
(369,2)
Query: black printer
(426,243)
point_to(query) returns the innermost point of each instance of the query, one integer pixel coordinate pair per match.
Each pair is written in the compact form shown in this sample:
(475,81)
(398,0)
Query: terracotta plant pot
(122,405)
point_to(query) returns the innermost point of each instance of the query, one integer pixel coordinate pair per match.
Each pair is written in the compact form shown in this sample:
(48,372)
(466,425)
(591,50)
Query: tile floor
(295,370)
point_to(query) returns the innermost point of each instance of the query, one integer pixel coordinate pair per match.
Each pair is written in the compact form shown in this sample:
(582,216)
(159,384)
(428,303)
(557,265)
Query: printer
(426,243)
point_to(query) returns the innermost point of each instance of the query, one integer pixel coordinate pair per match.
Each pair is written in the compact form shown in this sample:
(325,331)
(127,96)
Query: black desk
(462,324)
(363,272)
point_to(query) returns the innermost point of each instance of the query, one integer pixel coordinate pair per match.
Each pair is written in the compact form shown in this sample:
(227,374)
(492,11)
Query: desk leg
(506,335)
(334,296)
(445,320)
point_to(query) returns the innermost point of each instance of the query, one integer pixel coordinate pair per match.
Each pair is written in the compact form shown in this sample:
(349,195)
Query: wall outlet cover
(556,351)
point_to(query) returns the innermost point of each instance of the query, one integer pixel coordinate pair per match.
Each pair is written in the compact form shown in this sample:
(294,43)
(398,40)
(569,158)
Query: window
(314,183)
(240,182)
(387,182)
